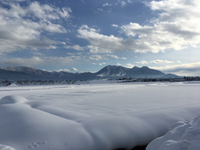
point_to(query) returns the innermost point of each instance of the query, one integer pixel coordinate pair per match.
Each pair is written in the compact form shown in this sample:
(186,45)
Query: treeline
(37,82)
(182,79)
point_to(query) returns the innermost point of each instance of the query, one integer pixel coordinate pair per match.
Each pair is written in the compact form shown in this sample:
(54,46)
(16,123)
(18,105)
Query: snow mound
(11,99)
(182,136)
(4,147)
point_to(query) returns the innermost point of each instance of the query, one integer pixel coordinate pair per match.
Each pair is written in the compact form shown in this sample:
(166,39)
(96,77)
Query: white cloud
(100,9)
(178,26)
(178,61)
(142,62)
(100,43)
(180,69)
(123,3)
(74,69)
(106,4)
(75,47)
(113,56)
(95,57)
(63,70)
(115,25)
(39,61)
(103,63)
(129,65)
(124,58)
(22,27)
(157,61)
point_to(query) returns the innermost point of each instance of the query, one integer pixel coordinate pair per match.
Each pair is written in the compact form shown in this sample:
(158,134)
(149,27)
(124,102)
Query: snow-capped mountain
(135,72)
(114,72)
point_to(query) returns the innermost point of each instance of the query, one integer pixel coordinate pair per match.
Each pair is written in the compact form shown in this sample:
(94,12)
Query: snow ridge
(184,135)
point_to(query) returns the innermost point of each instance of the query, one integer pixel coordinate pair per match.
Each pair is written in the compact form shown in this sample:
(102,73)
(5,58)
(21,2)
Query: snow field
(96,116)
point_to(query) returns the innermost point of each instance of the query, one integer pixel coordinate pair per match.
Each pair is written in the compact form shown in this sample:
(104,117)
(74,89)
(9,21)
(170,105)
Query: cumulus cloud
(157,61)
(74,69)
(123,3)
(115,25)
(95,57)
(113,56)
(106,4)
(103,63)
(75,47)
(63,70)
(102,57)
(100,43)
(22,27)
(142,62)
(182,69)
(129,65)
(177,27)
(39,61)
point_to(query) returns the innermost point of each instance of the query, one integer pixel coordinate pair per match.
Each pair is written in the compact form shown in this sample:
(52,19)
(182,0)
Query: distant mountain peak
(20,68)
(111,71)
(145,67)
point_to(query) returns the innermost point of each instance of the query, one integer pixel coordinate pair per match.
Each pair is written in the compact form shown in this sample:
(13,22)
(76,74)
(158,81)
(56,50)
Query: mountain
(135,72)
(114,72)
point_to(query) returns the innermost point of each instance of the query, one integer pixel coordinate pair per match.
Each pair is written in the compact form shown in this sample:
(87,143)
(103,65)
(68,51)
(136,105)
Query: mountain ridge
(110,71)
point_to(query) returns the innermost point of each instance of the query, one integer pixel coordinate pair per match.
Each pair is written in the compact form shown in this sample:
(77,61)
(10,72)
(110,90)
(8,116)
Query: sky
(87,35)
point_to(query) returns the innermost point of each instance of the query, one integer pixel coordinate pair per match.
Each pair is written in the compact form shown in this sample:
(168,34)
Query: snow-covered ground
(96,116)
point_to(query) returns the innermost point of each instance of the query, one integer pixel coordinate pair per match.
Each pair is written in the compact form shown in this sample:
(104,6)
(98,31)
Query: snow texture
(12,99)
(93,116)
(4,147)
(184,135)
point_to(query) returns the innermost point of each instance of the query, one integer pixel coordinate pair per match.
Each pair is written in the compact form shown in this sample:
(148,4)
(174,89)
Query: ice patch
(11,99)
(184,136)
(4,147)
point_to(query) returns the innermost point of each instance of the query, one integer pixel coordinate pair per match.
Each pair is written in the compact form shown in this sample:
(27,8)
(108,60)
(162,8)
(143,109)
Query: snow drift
(88,117)
(184,135)
(12,99)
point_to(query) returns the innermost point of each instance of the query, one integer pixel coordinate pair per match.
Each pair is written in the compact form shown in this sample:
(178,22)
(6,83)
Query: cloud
(63,70)
(74,69)
(178,26)
(22,27)
(178,61)
(95,57)
(142,62)
(113,56)
(157,61)
(124,58)
(39,61)
(103,63)
(75,47)
(182,69)
(123,3)
(106,4)
(100,9)
(100,43)
(115,25)
(129,65)
(102,57)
